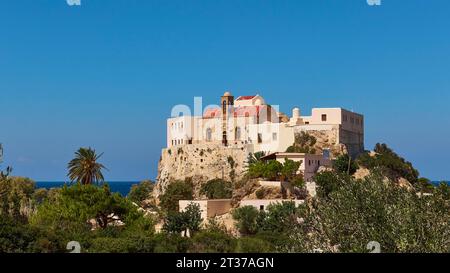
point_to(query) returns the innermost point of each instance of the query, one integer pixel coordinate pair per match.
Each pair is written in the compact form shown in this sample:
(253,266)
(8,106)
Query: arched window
(237,133)
(208,134)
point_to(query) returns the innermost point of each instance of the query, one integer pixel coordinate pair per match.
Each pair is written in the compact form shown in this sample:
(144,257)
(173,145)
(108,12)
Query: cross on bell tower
(227,102)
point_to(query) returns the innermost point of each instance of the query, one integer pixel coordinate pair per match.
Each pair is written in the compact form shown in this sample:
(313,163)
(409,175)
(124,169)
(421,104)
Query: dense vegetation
(217,189)
(345,216)
(386,161)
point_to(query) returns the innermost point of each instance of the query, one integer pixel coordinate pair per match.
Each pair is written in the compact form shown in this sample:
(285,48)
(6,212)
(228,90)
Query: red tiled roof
(212,113)
(246,111)
(243,111)
(245,97)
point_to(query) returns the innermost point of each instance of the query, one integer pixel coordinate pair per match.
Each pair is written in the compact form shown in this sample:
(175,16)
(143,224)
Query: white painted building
(250,121)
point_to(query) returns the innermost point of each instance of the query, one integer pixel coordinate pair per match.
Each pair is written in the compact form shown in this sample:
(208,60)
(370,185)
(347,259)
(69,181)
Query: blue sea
(122,187)
(437,183)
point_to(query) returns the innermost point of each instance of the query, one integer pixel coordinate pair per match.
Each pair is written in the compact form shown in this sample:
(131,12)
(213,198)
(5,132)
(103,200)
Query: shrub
(176,191)
(280,217)
(217,189)
(269,170)
(171,243)
(212,242)
(289,170)
(327,182)
(253,245)
(189,219)
(389,163)
(255,157)
(246,219)
(360,211)
(260,193)
(140,192)
(345,164)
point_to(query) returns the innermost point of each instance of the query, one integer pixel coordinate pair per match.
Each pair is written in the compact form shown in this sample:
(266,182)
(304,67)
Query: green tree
(16,195)
(171,243)
(373,209)
(246,219)
(77,204)
(390,164)
(328,181)
(424,185)
(345,164)
(280,217)
(188,219)
(253,245)
(255,157)
(217,189)
(85,168)
(140,192)
(176,191)
(212,242)
(289,170)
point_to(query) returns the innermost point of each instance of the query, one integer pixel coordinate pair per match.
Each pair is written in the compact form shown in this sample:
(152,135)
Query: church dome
(227,94)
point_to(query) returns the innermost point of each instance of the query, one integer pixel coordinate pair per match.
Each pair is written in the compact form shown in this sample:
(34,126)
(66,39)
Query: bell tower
(227,102)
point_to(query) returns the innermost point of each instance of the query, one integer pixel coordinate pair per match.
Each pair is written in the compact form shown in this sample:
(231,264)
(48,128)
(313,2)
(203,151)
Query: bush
(260,193)
(212,242)
(253,245)
(189,219)
(345,164)
(141,191)
(246,219)
(269,170)
(289,170)
(171,243)
(280,217)
(15,195)
(327,182)
(389,163)
(424,185)
(217,189)
(175,192)
(360,211)
(77,204)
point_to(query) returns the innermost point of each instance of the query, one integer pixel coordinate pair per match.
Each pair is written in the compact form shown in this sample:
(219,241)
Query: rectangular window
(261,207)
(345,118)
(259,138)
(274,136)
(324,117)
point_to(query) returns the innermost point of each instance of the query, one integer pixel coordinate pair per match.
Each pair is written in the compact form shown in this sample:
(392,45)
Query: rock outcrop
(326,139)
(200,163)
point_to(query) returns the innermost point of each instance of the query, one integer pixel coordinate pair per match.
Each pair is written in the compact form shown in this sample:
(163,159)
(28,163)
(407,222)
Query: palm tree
(84,168)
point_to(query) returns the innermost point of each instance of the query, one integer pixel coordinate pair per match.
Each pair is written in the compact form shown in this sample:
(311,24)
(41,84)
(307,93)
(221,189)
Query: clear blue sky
(106,74)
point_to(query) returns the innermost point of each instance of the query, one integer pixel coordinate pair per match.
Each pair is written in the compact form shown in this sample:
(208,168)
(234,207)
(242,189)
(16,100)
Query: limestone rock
(200,163)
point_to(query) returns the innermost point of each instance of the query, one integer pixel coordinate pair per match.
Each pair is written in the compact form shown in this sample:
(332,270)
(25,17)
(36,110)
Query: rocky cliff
(200,163)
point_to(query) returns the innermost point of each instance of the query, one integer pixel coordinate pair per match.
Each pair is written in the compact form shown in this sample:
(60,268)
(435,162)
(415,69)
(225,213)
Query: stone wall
(200,163)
